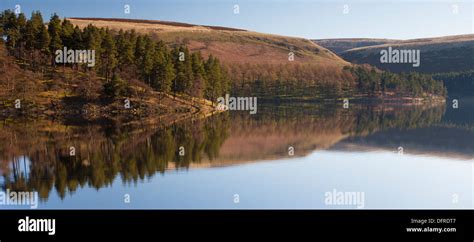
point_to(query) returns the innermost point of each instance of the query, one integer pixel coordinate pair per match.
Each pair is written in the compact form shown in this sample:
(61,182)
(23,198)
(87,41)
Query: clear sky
(402,19)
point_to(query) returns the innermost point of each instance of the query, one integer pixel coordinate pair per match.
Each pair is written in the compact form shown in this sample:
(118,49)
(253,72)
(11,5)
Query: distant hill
(230,45)
(339,46)
(442,54)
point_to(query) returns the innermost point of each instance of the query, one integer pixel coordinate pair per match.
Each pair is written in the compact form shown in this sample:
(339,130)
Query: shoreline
(157,108)
(186,107)
(404,101)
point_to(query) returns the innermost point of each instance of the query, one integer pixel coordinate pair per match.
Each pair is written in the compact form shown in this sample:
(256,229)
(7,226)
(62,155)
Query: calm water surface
(398,157)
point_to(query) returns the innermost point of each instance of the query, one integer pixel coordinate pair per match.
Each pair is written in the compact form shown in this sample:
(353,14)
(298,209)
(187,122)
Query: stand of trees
(122,54)
(458,83)
(294,81)
(372,82)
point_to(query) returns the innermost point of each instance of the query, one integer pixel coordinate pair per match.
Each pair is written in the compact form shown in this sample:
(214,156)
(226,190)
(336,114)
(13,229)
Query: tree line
(296,80)
(458,83)
(119,55)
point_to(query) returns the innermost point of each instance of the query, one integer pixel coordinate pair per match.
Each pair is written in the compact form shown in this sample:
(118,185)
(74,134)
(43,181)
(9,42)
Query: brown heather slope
(228,44)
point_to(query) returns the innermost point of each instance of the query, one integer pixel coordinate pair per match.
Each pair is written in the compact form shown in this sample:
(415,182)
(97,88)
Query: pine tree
(93,41)
(114,88)
(179,70)
(33,34)
(188,71)
(11,28)
(125,55)
(37,25)
(148,60)
(66,32)
(213,87)
(78,39)
(54,29)
(199,81)
(21,26)
(167,75)
(139,51)
(13,39)
(183,67)
(163,68)
(109,54)
(43,45)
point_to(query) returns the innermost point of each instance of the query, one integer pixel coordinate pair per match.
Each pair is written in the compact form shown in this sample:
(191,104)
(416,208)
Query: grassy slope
(229,45)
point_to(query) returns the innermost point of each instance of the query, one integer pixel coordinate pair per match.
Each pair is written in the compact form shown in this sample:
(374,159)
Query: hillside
(74,95)
(339,46)
(441,54)
(228,44)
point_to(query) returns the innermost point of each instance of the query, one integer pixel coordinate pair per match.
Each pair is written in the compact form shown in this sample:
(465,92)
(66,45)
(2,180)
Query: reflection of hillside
(269,135)
(39,157)
(434,141)
(463,116)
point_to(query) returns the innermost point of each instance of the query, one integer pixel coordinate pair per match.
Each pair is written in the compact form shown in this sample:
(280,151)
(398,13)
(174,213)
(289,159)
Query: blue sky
(401,19)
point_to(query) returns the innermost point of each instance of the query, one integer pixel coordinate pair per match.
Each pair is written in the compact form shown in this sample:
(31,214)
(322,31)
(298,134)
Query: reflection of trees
(104,152)
(369,120)
(311,127)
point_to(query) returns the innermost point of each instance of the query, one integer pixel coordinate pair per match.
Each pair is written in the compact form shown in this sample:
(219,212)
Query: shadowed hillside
(443,54)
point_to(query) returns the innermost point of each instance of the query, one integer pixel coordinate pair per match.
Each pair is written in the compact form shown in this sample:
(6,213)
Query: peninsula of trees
(127,64)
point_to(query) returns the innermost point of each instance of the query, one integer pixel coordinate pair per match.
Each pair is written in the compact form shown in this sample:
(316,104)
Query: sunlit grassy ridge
(229,45)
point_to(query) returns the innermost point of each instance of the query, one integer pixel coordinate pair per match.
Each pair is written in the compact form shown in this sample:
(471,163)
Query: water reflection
(36,156)
(102,152)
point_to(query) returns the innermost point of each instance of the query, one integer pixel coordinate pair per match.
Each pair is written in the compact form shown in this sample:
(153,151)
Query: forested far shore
(304,82)
(458,83)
